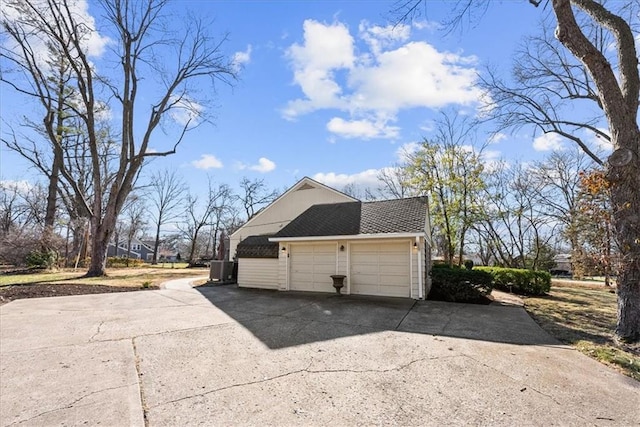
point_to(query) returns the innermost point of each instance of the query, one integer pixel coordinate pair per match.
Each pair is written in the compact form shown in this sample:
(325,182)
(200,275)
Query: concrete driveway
(228,356)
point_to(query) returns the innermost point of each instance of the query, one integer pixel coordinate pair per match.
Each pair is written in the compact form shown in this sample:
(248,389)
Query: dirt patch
(41,290)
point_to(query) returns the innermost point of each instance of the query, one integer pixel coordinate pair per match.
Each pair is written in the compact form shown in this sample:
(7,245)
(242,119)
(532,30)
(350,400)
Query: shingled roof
(257,247)
(352,218)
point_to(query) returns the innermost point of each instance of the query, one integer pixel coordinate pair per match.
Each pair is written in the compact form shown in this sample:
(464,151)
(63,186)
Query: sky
(330,89)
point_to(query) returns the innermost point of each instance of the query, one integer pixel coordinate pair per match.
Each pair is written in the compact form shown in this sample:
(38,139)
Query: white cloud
(364,179)
(404,152)
(601,143)
(185,111)
(427,25)
(383,37)
(496,138)
(491,159)
(241,58)
(326,48)
(365,129)
(207,161)
(264,165)
(388,75)
(92,42)
(21,186)
(548,142)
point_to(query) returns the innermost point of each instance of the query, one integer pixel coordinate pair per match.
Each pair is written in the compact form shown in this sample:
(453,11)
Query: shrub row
(118,261)
(519,281)
(459,285)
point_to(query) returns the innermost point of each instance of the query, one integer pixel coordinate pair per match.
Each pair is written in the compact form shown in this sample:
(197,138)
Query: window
(135,246)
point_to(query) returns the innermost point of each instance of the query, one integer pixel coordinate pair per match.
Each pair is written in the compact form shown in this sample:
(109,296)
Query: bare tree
(137,43)
(615,83)
(395,183)
(559,178)
(166,191)
(514,228)
(255,195)
(135,218)
(203,212)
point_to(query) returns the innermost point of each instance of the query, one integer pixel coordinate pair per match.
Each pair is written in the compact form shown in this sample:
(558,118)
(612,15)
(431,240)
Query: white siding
(258,273)
(281,212)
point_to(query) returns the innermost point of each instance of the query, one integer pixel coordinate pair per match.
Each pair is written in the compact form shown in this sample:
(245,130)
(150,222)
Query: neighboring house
(381,247)
(139,250)
(563,262)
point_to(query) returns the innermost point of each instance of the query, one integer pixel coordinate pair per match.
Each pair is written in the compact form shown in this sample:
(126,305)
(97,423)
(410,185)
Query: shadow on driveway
(284,319)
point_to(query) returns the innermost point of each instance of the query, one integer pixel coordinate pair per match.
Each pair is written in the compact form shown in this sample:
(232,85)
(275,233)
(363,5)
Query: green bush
(42,259)
(121,261)
(459,285)
(468,264)
(519,281)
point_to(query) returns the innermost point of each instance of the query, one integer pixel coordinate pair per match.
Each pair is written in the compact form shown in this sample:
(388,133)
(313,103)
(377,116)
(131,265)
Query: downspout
(420,278)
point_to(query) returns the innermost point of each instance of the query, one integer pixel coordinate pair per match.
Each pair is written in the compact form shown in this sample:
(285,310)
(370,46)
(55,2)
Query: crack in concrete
(234,386)
(298,371)
(117,339)
(69,405)
(143,403)
(98,331)
(548,396)
(405,315)
(183,304)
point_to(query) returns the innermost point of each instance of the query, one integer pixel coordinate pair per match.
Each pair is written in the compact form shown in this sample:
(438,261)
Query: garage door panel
(394,291)
(311,266)
(380,269)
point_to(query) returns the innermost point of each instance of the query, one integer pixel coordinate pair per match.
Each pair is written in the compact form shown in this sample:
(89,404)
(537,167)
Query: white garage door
(380,269)
(311,267)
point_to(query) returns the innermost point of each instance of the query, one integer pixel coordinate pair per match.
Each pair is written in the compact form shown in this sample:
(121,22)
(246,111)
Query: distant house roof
(353,218)
(257,247)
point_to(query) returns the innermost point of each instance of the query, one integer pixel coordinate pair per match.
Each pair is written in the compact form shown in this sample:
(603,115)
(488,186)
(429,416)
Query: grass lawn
(585,317)
(134,277)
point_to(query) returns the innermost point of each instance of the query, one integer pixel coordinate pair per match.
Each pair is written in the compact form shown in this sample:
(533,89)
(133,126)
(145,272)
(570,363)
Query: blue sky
(328,89)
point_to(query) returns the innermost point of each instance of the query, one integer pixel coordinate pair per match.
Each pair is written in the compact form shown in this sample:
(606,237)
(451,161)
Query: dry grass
(132,277)
(585,317)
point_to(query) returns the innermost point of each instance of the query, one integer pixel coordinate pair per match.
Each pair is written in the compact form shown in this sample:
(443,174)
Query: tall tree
(614,86)
(138,36)
(166,191)
(449,169)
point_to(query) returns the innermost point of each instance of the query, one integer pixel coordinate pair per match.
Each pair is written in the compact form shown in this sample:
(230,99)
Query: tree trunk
(619,98)
(101,234)
(156,245)
(625,198)
(98,264)
(192,251)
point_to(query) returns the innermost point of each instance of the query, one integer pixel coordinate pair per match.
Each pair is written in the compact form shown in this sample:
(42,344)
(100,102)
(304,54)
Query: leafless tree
(255,194)
(201,212)
(165,190)
(513,228)
(137,42)
(395,183)
(135,217)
